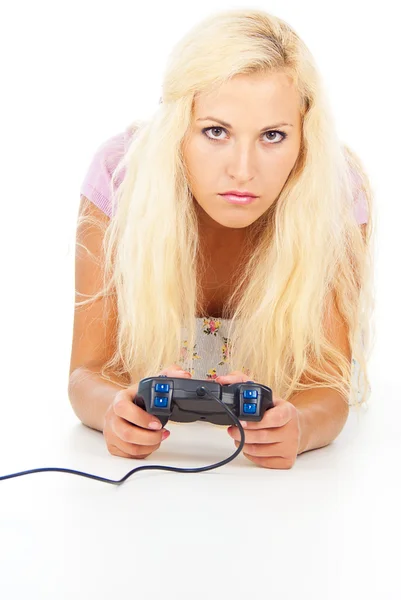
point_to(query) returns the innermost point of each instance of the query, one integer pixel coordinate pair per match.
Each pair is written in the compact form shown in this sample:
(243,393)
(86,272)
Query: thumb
(175,371)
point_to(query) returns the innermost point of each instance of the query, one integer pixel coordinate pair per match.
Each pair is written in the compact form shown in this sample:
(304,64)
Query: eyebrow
(230,126)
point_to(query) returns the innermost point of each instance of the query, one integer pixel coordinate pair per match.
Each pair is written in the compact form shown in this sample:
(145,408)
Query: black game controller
(185,400)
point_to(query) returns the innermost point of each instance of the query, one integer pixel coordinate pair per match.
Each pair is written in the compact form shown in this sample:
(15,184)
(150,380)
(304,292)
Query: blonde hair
(310,247)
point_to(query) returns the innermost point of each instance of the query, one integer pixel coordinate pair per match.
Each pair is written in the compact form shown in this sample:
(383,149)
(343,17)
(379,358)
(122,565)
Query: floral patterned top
(212,347)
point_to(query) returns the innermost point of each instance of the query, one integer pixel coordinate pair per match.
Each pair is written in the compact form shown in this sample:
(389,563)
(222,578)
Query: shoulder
(96,185)
(360,185)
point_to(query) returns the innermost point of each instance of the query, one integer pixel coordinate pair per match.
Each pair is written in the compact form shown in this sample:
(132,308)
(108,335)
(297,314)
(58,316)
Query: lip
(236,199)
(238,193)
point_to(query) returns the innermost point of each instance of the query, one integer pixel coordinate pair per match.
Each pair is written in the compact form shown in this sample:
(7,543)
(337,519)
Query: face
(251,151)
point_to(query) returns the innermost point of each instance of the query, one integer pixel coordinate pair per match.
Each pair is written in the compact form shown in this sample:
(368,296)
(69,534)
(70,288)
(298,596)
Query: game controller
(186,400)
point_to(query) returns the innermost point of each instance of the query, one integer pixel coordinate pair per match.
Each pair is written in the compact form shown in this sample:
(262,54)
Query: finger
(234,377)
(271,462)
(174,367)
(124,407)
(262,450)
(257,436)
(278,416)
(131,450)
(175,371)
(117,452)
(135,435)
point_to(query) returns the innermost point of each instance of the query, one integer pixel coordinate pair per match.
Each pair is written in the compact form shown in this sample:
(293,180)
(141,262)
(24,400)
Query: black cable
(144,467)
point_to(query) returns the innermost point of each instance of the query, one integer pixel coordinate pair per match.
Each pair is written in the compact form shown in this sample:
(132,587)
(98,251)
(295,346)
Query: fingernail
(243,423)
(165,434)
(155,425)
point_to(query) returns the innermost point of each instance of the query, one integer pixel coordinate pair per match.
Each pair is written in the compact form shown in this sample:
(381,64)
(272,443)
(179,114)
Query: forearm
(323,414)
(91,395)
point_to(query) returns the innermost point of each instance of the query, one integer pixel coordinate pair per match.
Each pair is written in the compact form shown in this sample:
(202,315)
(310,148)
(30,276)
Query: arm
(324,411)
(323,414)
(94,329)
(90,396)
(309,419)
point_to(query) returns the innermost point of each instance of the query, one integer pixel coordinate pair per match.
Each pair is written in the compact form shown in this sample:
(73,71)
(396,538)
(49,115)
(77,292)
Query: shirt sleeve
(96,185)
(360,201)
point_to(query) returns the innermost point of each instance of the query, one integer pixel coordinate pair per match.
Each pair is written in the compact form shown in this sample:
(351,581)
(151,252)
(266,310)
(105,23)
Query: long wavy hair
(310,253)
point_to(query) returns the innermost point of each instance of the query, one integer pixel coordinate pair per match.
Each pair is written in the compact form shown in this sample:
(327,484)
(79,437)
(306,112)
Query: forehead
(256,92)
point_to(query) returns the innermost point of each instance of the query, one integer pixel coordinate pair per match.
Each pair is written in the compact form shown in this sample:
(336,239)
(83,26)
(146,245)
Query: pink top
(96,184)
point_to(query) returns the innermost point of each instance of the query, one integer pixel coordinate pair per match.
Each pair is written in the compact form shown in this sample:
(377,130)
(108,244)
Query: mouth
(236,199)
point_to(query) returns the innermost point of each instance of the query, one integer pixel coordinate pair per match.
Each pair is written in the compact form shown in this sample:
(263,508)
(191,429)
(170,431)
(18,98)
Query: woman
(197,282)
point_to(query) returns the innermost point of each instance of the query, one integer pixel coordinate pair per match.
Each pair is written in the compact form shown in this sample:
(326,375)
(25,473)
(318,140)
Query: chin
(236,222)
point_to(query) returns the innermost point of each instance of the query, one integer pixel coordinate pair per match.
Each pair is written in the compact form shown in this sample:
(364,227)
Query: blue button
(250,393)
(162,387)
(161,402)
(249,408)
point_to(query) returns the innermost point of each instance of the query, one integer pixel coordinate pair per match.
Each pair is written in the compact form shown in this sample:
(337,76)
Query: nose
(242,163)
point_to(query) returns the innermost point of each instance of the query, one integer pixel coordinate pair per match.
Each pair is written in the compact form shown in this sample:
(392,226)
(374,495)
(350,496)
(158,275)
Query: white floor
(327,528)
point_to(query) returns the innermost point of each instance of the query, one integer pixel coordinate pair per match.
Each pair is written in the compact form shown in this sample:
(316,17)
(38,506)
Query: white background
(74,74)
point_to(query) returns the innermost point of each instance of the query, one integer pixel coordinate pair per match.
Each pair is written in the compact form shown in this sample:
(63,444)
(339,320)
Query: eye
(283,135)
(214,139)
(207,129)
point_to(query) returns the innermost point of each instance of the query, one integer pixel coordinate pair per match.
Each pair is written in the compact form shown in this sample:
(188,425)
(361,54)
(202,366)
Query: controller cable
(203,391)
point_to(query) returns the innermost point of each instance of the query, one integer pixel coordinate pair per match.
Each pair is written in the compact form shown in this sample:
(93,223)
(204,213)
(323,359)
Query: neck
(214,235)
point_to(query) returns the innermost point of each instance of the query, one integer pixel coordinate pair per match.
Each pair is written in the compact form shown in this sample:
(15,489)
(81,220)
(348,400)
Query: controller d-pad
(250,394)
(161,402)
(162,387)
(250,401)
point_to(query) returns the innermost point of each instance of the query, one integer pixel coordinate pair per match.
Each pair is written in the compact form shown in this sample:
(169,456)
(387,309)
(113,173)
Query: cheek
(276,175)
(202,170)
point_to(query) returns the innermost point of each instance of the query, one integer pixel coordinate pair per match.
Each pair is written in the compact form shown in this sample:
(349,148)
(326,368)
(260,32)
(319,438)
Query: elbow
(74,395)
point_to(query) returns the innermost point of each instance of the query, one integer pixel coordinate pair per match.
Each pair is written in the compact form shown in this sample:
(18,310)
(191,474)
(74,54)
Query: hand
(126,426)
(273,442)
